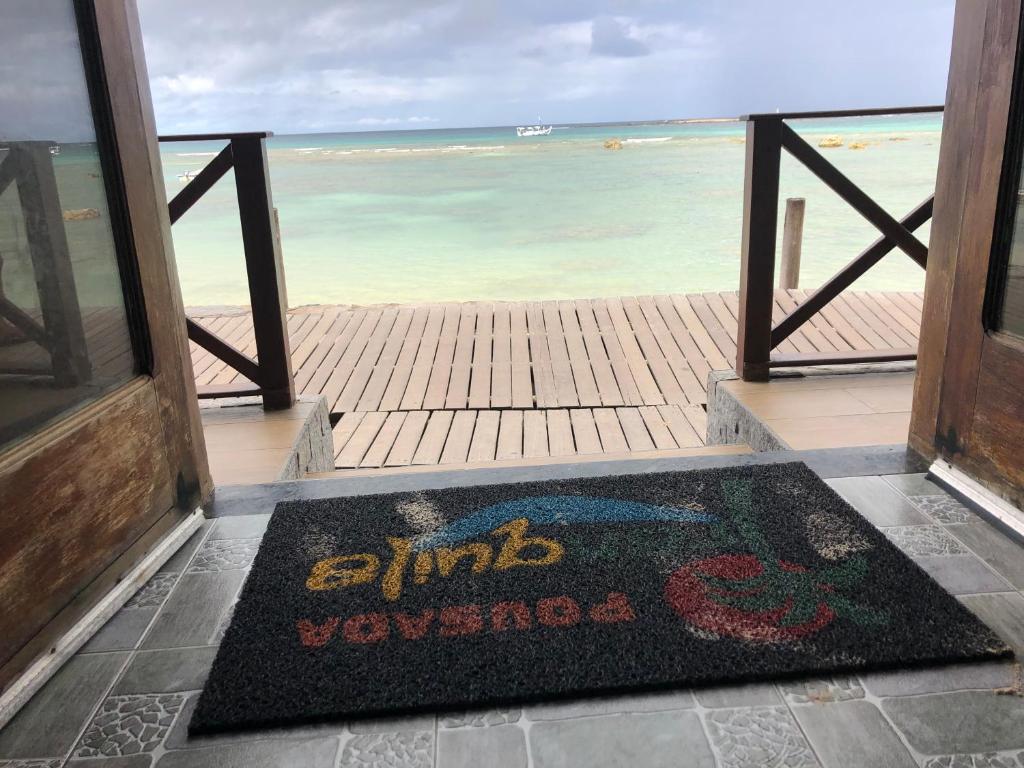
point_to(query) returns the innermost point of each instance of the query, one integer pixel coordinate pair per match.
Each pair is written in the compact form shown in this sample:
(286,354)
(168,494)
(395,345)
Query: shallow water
(481,214)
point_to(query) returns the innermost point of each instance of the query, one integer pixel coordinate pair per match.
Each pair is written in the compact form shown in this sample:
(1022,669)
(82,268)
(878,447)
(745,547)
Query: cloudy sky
(340,65)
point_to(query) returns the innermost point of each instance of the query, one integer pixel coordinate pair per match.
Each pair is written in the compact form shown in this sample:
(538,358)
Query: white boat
(533,130)
(187,176)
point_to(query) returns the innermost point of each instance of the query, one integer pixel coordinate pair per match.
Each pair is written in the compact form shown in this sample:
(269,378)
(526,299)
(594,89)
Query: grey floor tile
(753,695)
(914,484)
(822,690)
(995,548)
(852,733)
(962,722)
(983,760)
(179,560)
(957,677)
(131,761)
(963,574)
(662,701)
(943,509)
(122,632)
(49,724)
(240,527)
(153,592)
(504,747)
(178,738)
(217,555)
(409,749)
(481,718)
(129,725)
(753,737)
(653,740)
(166,671)
(393,724)
(192,614)
(313,753)
(925,541)
(1002,612)
(877,501)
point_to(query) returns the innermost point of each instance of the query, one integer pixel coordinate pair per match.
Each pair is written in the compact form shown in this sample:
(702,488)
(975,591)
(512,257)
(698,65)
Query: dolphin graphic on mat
(559,510)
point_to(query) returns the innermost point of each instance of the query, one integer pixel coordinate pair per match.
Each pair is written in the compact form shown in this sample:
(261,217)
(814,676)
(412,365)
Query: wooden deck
(478,382)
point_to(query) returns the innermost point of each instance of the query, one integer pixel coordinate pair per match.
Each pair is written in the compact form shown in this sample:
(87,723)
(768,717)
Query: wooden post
(51,262)
(265,270)
(757,256)
(792,243)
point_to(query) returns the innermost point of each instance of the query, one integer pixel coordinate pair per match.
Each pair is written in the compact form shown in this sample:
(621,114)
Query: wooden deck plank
(460,435)
(408,439)
(361,440)
(653,354)
(607,386)
(485,436)
(391,399)
(561,367)
(342,431)
(419,377)
(584,431)
(378,451)
(610,431)
(682,338)
(462,359)
(484,351)
(510,436)
(682,430)
(383,367)
(543,373)
(434,436)
(634,429)
(368,357)
(582,372)
(361,324)
(522,380)
(441,370)
(643,375)
(683,370)
(701,335)
(560,441)
(535,434)
(624,379)
(656,426)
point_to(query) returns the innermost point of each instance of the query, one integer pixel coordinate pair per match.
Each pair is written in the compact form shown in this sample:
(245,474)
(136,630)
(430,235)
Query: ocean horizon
(442,214)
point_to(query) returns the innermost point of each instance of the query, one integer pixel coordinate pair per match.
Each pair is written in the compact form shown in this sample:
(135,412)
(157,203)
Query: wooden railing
(767,136)
(270,371)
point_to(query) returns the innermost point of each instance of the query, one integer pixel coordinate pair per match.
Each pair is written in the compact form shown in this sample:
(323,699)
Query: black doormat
(477,596)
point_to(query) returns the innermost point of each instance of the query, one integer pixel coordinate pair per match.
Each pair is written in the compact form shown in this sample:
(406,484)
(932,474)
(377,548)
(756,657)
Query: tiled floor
(814,412)
(124,701)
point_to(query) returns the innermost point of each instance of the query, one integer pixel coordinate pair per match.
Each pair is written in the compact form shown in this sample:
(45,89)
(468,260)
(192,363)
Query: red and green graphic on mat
(746,592)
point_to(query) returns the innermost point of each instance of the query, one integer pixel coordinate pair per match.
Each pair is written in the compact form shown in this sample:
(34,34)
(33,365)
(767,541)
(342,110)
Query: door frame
(151,509)
(968,407)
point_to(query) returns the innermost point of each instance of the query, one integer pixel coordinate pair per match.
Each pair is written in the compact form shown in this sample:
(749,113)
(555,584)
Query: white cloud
(186,84)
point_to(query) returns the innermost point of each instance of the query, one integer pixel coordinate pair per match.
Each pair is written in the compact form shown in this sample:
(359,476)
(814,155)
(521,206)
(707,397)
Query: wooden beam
(859,200)
(212,172)
(846,276)
(845,113)
(216,346)
(757,255)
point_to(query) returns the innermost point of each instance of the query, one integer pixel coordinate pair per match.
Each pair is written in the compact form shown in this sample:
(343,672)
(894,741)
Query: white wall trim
(42,669)
(997,508)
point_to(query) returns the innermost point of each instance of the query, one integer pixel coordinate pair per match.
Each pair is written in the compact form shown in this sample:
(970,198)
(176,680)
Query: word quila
(464,620)
(516,551)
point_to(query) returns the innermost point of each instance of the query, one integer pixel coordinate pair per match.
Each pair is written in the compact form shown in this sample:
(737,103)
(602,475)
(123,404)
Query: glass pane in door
(1011,300)
(64,336)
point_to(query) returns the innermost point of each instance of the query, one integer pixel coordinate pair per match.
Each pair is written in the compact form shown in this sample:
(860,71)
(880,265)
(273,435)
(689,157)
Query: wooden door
(969,398)
(101,450)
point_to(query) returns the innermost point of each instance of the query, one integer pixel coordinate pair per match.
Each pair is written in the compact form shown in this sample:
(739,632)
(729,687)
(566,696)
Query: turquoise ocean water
(479,214)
